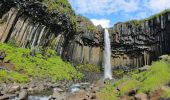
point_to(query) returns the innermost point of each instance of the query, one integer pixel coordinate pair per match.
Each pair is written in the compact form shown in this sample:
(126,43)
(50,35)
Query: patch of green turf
(156,76)
(48,65)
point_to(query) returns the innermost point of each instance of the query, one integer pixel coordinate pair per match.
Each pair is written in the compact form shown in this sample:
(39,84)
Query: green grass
(107,93)
(88,25)
(63,6)
(158,75)
(49,66)
(166,94)
(6,76)
(89,68)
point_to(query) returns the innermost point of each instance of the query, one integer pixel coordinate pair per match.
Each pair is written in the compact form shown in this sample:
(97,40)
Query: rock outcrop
(138,43)
(86,46)
(32,24)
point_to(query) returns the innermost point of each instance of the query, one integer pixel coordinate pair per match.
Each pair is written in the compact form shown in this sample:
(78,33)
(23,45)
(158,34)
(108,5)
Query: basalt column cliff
(36,23)
(138,43)
(43,23)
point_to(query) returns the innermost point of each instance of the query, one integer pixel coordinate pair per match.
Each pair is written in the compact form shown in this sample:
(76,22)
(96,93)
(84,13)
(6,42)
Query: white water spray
(107,55)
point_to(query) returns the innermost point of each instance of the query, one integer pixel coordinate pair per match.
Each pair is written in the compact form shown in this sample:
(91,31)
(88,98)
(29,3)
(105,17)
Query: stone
(145,68)
(58,89)
(141,96)
(23,95)
(80,95)
(7,96)
(58,96)
(2,55)
(14,89)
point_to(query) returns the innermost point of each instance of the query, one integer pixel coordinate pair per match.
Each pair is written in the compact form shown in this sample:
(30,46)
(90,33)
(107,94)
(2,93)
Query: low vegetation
(107,93)
(64,7)
(84,23)
(43,65)
(156,77)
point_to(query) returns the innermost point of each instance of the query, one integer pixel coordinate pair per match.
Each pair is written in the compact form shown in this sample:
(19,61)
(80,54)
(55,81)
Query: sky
(109,12)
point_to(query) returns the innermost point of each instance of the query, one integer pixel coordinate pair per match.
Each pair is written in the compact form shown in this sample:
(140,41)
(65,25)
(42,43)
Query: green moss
(156,76)
(6,76)
(88,68)
(158,15)
(107,93)
(48,65)
(87,24)
(135,22)
(64,7)
(129,85)
(166,94)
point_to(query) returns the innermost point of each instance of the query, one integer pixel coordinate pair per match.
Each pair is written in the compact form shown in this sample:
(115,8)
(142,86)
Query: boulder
(58,96)
(141,96)
(23,95)
(7,96)
(2,55)
(80,95)
(145,68)
(14,89)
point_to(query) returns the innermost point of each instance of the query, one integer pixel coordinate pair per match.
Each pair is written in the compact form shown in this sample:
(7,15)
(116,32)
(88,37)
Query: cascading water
(107,55)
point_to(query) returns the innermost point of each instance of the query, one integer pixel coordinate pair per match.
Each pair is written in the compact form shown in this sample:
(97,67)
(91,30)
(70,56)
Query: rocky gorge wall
(31,25)
(138,43)
(134,43)
(86,46)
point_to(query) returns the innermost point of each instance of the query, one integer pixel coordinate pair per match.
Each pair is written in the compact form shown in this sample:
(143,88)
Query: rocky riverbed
(46,90)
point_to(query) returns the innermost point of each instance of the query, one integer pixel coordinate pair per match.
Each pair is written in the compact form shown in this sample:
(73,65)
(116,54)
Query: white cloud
(103,7)
(105,23)
(158,5)
(125,9)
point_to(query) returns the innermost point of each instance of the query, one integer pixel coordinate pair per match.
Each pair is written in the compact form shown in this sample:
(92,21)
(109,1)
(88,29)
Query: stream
(47,94)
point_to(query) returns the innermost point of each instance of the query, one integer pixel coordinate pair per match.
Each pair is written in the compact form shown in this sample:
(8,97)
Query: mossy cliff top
(138,22)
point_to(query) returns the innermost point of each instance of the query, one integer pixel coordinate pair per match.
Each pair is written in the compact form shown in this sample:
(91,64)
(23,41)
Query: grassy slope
(49,66)
(153,79)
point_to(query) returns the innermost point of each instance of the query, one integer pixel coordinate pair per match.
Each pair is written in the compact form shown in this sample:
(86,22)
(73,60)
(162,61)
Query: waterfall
(107,55)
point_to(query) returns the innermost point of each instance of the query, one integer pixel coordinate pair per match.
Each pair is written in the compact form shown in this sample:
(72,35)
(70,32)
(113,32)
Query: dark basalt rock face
(138,44)
(86,47)
(32,25)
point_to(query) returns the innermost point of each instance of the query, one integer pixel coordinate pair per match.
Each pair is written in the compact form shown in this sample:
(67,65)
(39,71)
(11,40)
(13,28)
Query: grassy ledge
(41,66)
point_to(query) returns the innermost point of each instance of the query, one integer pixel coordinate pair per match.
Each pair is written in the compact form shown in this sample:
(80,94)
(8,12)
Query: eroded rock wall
(137,44)
(31,25)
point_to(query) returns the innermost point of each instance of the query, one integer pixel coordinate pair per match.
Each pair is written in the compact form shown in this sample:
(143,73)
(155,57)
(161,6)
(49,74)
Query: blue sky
(109,12)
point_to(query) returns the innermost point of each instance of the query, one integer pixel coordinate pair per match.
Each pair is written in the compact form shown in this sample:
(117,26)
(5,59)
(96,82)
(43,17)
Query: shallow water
(46,95)
(38,98)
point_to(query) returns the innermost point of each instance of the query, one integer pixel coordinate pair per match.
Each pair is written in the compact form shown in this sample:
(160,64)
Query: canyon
(133,44)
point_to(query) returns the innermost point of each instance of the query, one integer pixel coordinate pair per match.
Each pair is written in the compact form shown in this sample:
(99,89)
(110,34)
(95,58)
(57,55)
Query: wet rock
(14,89)
(80,95)
(23,95)
(145,68)
(58,89)
(7,96)
(163,57)
(58,96)
(31,90)
(2,55)
(100,83)
(93,96)
(141,96)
